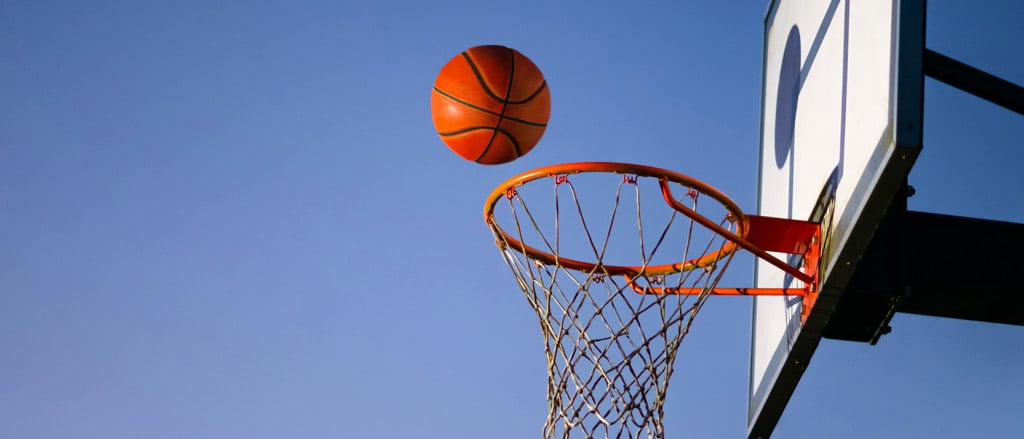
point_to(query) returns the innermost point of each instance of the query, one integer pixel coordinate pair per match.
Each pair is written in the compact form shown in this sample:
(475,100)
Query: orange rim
(508,187)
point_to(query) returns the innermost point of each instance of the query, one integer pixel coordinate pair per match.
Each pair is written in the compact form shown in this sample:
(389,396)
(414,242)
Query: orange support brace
(761,235)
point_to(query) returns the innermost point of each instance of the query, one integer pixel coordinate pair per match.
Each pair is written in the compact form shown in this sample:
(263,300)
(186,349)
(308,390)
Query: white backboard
(841,105)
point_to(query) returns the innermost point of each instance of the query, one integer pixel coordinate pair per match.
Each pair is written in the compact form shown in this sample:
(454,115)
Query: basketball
(490,104)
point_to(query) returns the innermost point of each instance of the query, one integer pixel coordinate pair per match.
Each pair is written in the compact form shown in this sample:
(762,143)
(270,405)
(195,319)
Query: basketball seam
(508,135)
(477,107)
(480,76)
(529,98)
(504,106)
(482,127)
(466,130)
(483,83)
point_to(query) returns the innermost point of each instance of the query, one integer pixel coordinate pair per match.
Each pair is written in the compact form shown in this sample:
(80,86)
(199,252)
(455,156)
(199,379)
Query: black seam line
(497,130)
(504,106)
(507,134)
(483,84)
(476,107)
(515,143)
(529,98)
(480,77)
(466,130)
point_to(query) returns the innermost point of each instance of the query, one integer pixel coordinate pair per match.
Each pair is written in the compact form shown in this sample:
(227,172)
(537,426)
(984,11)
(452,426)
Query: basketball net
(610,347)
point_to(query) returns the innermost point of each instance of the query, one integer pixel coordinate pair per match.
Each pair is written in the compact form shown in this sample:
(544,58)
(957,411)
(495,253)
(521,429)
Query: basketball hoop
(612,329)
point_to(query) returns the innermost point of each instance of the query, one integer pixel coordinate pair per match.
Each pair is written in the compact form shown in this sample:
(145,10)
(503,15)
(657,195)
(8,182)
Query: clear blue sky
(233,219)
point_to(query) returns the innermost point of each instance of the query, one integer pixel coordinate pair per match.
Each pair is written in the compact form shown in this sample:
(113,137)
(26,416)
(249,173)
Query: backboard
(840,129)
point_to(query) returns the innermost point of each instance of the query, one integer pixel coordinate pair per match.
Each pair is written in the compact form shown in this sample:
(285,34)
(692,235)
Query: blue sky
(234,219)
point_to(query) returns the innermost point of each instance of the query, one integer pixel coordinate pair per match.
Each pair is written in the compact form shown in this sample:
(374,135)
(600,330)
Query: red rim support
(767,234)
(762,235)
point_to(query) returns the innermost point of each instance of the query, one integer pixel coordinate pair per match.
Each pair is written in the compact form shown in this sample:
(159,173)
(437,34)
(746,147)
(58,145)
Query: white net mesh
(610,349)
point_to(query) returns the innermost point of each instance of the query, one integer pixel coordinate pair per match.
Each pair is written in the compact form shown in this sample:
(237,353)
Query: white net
(610,348)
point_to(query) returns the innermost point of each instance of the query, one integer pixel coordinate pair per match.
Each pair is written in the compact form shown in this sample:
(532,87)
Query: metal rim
(663,175)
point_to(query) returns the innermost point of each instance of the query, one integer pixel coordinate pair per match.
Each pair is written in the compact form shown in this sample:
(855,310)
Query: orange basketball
(490,104)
